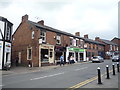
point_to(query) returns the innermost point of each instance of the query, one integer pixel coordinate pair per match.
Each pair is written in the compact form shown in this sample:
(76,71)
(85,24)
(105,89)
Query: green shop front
(77,53)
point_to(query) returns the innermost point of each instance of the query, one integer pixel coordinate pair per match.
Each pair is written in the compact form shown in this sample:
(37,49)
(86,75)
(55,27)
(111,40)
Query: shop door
(81,56)
(76,54)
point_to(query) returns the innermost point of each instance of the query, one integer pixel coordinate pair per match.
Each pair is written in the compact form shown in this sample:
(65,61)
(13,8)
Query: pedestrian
(61,60)
(16,60)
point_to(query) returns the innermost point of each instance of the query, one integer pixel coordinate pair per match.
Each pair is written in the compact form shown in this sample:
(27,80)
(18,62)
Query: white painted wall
(1,53)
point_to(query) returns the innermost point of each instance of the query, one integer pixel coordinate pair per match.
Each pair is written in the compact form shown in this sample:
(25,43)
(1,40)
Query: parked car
(97,59)
(116,58)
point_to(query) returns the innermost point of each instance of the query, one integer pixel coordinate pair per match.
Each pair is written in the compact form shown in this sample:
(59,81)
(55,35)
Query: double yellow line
(85,82)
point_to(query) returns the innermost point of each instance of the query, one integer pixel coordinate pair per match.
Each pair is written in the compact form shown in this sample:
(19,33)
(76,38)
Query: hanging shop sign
(76,49)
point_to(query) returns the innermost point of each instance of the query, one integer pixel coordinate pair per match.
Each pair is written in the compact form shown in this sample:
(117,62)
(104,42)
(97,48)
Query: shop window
(43,36)
(44,55)
(29,53)
(58,38)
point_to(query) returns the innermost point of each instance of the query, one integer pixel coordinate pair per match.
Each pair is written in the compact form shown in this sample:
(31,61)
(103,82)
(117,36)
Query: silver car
(97,59)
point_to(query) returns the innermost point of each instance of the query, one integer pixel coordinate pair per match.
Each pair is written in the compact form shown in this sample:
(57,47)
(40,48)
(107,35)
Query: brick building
(110,47)
(43,45)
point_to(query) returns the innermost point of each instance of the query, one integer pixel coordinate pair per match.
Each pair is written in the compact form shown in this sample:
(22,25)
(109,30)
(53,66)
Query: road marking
(81,68)
(86,81)
(47,76)
(1,85)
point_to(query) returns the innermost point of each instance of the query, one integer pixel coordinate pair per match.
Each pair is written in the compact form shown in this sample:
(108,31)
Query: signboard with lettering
(7,47)
(76,49)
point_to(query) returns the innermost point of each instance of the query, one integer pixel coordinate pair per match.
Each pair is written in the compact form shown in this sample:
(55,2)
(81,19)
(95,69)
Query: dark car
(116,58)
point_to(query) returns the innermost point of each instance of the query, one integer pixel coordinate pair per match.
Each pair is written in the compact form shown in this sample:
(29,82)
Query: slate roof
(63,32)
(108,42)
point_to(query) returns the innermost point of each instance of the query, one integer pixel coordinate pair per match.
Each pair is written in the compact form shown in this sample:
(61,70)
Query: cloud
(86,16)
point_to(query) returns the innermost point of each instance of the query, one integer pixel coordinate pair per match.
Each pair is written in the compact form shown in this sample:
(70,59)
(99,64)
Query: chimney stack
(77,34)
(41,22)
(24,18)
(86,36)
(97,38)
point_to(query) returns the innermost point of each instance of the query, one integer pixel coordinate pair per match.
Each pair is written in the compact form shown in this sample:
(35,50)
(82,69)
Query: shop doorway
(81,56)
(76,54)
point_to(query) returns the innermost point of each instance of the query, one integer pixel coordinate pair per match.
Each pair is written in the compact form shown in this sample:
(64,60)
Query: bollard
(118,66)
(99,76)
(107,70)
(113,69)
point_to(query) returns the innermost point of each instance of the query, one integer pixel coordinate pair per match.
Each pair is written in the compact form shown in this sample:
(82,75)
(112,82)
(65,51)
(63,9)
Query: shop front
(77,53)
(1,54)
(46,55)
(59,50)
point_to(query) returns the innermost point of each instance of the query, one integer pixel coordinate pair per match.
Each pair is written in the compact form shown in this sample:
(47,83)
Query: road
(60,77)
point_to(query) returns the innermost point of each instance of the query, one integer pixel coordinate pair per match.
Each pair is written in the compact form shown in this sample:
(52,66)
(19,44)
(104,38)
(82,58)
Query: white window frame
(28,53)
(58,38)
(110,47)
(41,36)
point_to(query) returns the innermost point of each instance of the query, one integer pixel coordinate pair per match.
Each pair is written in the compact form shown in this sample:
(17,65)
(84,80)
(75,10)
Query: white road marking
(81,68)
(1,85)
(47,76)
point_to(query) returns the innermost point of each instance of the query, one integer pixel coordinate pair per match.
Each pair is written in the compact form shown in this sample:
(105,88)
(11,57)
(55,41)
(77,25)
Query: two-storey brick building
(110,47)
(43,45)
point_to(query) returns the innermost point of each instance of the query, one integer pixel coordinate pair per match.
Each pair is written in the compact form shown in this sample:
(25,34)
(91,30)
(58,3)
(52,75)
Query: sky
(97,18)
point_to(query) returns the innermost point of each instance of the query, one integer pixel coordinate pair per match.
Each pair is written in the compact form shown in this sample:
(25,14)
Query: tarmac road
(68,76)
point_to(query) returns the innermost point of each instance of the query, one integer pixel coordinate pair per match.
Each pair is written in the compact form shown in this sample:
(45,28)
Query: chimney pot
(77,34)
(86,36)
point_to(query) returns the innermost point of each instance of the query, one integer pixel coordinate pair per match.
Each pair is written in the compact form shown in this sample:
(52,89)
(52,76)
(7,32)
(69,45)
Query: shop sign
(8,48)
(76,49)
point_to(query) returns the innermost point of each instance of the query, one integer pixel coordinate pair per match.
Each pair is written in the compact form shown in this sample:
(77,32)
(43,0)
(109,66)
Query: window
(33,34)
(43,36)
(71,41)
(58,38)
(29,53)
(8,33)
(110,47)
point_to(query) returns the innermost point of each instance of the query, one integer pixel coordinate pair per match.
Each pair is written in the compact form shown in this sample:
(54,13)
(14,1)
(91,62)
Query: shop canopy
(76,49)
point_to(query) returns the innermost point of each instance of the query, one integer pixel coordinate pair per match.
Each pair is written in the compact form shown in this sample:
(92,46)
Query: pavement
(106,83)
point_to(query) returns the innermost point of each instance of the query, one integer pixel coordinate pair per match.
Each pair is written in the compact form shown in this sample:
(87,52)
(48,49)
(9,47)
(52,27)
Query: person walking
(61,60)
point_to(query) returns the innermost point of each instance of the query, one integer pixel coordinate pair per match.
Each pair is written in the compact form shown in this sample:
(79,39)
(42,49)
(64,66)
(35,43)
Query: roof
(5,19)
(116,38)
(108,42)
(63,32)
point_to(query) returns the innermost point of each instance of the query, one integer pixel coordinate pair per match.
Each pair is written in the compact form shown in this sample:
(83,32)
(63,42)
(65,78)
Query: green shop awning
(76,49)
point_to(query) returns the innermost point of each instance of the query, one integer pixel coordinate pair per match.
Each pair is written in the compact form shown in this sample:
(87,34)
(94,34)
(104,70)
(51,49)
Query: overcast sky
(97,18)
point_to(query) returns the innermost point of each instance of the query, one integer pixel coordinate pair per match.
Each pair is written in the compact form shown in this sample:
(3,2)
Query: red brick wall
(22,40)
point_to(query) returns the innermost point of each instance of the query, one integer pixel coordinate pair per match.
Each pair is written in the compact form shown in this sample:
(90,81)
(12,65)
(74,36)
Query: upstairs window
(43,36)
(33,34)
(8,33)
(58,38)
(71,40)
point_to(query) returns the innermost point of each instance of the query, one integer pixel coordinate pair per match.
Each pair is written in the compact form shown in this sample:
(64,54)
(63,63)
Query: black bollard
(99,76)
(118,67)
(107,70)
(113,69)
